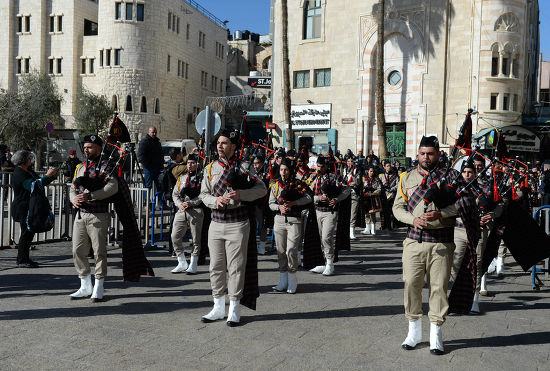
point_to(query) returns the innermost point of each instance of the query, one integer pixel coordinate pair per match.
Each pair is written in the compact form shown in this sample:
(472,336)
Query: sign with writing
(49,127)
(348,120)
(270,125)
(310,116)
(520,139)
(259,82)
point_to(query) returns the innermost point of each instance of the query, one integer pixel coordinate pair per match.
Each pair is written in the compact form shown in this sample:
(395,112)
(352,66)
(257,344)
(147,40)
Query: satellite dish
(247,90)
(200,122)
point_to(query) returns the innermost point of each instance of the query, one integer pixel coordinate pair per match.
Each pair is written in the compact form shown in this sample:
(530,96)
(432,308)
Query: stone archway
(404,64)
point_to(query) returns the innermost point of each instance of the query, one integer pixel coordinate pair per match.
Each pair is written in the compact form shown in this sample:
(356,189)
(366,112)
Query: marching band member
(258,164)
(90,227)
(352,177)
(327,195)
(286,198)
(230,227)
(428,248)
(189,214)
(389,180)
(372,186)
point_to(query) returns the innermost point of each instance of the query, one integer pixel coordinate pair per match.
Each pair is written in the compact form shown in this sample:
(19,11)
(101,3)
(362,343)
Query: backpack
(167,182)
(40,217)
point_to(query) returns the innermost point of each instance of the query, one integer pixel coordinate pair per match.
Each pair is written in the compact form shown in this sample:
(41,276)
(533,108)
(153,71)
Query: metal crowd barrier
(150,221)
(534,278)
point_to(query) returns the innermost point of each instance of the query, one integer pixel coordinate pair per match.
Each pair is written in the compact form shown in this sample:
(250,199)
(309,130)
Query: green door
(395,138)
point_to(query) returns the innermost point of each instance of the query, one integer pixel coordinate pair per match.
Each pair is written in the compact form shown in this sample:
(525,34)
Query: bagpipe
(117,134)
(293,191)
(191,189)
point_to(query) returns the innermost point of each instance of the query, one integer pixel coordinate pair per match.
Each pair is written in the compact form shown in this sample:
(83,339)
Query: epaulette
(76,169)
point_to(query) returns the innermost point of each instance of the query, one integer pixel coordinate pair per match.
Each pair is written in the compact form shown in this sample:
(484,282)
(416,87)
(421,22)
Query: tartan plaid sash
(235,215)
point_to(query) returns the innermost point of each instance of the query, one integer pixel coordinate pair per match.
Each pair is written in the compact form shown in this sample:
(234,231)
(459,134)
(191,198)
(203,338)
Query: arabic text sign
(310,116)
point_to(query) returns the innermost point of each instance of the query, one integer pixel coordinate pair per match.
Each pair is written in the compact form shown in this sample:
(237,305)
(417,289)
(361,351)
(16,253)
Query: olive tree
(92,113)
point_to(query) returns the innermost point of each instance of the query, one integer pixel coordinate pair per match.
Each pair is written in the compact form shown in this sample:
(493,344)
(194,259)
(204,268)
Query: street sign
(270,125)
(201,120)
(48,127)
(259,82)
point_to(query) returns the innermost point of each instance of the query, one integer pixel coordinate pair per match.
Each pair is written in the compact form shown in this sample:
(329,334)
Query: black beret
(288,163)
(233,135)
(95,139)
(321,160)
(291,153)
(429,142)
(467,165)
(192,157)
(260,158)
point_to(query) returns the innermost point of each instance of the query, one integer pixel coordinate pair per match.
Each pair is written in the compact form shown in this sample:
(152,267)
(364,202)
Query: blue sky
(253,15)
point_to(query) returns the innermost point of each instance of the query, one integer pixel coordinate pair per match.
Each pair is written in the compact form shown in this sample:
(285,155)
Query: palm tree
(286,77)
(380,117)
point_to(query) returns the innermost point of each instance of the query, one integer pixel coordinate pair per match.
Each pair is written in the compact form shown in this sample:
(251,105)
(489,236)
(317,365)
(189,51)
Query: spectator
(151,158)
(373,157)
(70,165)
(23,177)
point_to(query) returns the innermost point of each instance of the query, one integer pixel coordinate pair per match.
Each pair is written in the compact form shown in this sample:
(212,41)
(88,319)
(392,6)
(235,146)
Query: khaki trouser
(480,249)
(190,218)
(259,214)
(433,261)
(228,246)
(287,239)
(461,242)
(370,218)
(327,221)
(354,209)
(90,231)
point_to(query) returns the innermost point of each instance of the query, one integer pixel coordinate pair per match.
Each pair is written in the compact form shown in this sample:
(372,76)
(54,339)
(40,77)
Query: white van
(186,146)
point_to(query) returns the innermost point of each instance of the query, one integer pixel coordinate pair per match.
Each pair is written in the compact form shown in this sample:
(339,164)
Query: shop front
(311,127)
(521,142)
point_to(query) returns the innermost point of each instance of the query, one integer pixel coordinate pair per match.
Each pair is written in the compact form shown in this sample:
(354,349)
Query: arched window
(157,106)
(114,103)
(129,103)
(143,107)
(494,60)
(313,12)
(507,22)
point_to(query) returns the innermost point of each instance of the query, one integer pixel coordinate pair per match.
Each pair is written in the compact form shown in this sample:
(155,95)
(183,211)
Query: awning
(258,114)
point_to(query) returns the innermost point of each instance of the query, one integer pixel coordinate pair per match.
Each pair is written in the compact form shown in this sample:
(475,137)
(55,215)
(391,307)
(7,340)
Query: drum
(373,204)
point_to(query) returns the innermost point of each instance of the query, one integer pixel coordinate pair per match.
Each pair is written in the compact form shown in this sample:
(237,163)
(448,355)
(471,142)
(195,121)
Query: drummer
(372,186)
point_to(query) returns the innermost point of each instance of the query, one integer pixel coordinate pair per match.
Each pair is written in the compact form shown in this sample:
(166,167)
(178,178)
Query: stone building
(440,58)
(156,61)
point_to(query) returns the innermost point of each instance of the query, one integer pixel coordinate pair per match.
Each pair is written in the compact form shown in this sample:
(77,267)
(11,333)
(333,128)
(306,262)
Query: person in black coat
(151,158)
(70,165)
(21,181)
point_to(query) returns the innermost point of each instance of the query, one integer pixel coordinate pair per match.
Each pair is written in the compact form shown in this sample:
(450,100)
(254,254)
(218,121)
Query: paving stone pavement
(353,320)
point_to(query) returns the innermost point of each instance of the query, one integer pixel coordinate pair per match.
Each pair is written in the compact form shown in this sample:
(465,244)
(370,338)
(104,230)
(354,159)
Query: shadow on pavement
(499,341)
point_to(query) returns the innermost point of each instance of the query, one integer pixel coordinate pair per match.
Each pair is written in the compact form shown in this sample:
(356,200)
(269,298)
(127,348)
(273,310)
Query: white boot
(218,312)
(500,266)
(97,294)
(351,233)
(366,230)
(493,266)
(475,304)
(283,282)
(329,269)
(192,269)
(436,340)
(234,316)
(261,248)
(318,269)
(414,336)
(85,289)
(182,264)
(372,229)
(292,283)
(483,288)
